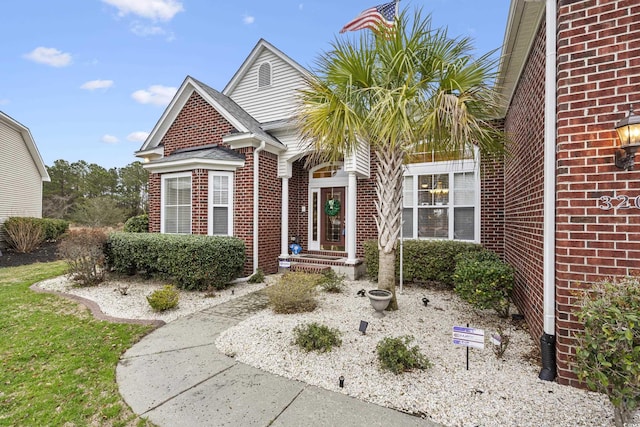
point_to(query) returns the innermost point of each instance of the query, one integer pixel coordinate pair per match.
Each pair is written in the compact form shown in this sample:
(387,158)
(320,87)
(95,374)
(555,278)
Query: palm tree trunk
(389,216)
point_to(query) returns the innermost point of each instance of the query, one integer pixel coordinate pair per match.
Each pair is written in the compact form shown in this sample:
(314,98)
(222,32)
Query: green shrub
(23,234)
(331,282)
(295,292)
(608,349)
(257,277)
(83,251)
(316,337)
(484,281)
(395,355)
(53,228)
(164,299)
(137,224)
(192,262)
(423,260)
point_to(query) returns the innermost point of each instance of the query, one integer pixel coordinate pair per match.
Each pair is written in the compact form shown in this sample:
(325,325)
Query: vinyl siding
(274,102)
(359,162)
(294,147)
(20,181)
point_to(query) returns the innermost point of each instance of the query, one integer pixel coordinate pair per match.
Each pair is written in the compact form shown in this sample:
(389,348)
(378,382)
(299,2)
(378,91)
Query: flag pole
(397,2)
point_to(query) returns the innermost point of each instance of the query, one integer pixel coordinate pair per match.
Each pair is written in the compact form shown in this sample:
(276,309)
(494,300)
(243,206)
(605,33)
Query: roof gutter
(547,341)
(256,202)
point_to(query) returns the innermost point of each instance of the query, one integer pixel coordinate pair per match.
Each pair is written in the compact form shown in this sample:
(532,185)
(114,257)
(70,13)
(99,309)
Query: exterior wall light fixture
(629,135)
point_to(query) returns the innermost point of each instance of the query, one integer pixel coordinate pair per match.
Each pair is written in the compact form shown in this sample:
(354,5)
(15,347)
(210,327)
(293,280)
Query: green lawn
(57,363)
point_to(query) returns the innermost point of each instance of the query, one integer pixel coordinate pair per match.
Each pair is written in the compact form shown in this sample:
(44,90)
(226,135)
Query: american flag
(372,18)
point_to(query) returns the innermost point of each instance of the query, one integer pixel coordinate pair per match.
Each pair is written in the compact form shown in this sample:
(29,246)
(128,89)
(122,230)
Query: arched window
(264,75)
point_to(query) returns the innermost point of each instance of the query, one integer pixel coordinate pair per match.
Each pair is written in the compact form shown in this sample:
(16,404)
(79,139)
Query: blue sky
(90,78)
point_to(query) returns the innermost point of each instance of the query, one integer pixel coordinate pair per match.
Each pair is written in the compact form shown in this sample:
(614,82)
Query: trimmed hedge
(192,262)
(424,260)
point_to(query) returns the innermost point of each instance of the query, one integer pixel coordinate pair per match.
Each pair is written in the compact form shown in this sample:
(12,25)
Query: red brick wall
(200,201)
(198,123)
(154,203)
(243,207)
(299,196)
(269,214)
(492,203)
(366,211)
(523,187)
(598,77)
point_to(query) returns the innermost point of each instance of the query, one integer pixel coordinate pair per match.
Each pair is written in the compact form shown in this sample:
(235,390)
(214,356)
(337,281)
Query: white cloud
(49,56)
(97,84)
(139,136)
(110,139)
(156,10)
(156,95)
(248,19)
(4,101)
(143,30)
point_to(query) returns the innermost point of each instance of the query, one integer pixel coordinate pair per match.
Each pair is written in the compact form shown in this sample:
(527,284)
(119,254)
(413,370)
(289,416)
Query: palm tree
(400,92)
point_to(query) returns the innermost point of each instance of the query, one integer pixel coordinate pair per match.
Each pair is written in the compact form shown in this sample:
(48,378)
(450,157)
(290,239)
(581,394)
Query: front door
(332,224)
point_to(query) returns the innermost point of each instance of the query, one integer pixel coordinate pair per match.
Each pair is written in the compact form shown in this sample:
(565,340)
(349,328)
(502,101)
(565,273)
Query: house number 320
(618,202)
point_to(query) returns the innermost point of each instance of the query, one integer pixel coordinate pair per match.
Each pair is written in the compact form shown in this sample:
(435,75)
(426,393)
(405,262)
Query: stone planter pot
(379,299)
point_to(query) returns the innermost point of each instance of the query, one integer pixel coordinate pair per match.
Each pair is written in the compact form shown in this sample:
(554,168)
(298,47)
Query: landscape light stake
(341,381)
(425,301)
(363,327)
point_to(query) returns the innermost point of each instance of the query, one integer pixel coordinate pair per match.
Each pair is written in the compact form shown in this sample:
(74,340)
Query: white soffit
(525,17)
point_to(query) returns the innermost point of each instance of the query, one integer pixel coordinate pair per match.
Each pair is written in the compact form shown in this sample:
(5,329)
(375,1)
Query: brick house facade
(240,142)
(593,236)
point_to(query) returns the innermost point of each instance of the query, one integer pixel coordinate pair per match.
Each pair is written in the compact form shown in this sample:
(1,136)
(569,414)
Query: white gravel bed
(491,393)
(134,305)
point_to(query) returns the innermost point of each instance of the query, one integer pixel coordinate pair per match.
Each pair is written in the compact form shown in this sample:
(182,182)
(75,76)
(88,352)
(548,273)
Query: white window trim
(450,168)
(164,178)
(229,205)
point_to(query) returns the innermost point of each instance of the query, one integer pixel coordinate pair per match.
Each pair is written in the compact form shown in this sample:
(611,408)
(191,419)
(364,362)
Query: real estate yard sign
(468,337)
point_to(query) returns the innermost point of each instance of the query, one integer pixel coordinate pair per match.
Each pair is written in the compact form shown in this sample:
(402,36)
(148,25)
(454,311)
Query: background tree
(73,185)
(402,91)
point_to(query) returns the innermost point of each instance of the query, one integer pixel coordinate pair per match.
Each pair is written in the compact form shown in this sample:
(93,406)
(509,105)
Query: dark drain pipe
(548,350)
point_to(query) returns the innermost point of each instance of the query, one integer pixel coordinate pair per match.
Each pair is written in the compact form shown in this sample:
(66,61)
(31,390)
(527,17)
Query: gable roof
(29,142)
(524,20)
(251,59)
(232,112)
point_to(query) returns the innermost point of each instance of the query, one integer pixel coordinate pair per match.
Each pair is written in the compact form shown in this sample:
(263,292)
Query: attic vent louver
(264,75)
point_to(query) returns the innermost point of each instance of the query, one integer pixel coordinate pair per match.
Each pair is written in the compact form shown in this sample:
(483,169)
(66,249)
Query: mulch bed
(47,252)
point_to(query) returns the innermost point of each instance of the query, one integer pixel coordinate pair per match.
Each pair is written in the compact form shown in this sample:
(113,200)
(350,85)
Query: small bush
(23,234)
(331,282)
(137,224)
(484,281)
(83,251)
(257,277)
(395,355)
(500,341)
(315,337)
(294,293)
(53,228)
(164,299)
(608,349)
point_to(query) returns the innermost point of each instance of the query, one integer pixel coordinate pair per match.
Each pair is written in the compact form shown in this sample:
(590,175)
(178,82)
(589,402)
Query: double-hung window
(441,200)
(176,203)
(220,203)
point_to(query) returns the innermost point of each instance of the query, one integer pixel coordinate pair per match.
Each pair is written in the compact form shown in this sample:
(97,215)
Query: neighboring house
(569,73)
(22,172)
(232,163)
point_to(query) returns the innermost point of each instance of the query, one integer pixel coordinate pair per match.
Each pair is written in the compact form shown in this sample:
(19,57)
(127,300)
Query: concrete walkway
(175,376)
